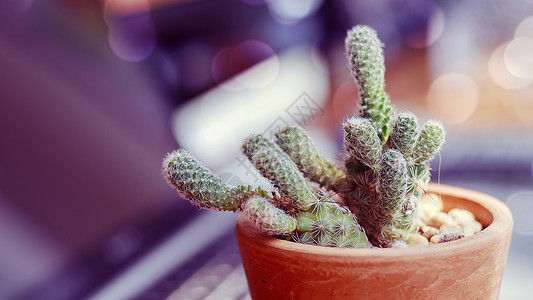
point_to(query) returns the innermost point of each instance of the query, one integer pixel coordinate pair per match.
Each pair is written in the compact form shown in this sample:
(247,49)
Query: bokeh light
(453,97)
(131,38)
(262,75)
(14,8)
(254,2)
(525,28)
(319,59)
(290,12)
(232,60)
(221,118)
(521,205)
(130,47)
(345,99)
(425,21)
(518,57)
(193,56)
(436,26)
(221,69)
(522,105)
(500,73)
(124,7)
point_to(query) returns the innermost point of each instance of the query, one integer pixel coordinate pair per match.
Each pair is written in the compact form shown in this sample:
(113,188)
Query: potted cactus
(295,238)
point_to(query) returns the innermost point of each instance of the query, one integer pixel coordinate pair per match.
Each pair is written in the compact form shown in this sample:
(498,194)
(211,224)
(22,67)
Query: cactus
(269,218)
(197,183)
(364,51)
(277,166)
(329,224)
(362,141)
(429,142)
(385,170)
(391,173)
(320,220)
(307,216)
(313,164)
(404,134)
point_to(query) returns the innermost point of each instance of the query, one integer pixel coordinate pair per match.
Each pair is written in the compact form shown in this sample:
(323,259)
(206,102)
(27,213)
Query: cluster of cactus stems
(368,201)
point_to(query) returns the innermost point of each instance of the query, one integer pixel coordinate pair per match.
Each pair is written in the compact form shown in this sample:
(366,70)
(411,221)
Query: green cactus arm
(392,180)
(419,177)
(402,224)
(354,168)
(280,170)
(383,210)
(429,142)
(404,134)
(241,193)
(197,183)
(314,165)
(364,51)
(362,142)
(255,143)
(267,217)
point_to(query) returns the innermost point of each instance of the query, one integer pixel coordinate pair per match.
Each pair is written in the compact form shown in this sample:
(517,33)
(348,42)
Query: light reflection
(453,97)
(518,57)
(500,73)
(290,12)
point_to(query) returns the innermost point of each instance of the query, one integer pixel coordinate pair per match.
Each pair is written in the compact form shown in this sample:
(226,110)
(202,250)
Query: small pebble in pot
(472,227)
(440,218)
(417,240)
(461,216)
(429,231)
(428,206)
(450,228)
(447,237)
(438,226)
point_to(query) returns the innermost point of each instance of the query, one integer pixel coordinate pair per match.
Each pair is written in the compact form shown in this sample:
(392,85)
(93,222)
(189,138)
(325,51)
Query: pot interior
(482,214)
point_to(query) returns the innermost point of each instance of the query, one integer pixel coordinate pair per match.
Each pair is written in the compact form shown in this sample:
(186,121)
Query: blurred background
(93,94)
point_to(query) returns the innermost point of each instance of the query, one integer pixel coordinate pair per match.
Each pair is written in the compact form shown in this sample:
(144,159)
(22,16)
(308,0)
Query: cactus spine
(279,169)
(364,51)
(269,218)
(389,174)
(362,142)
(318,217)
(313,164)
(197,183)
(385,171)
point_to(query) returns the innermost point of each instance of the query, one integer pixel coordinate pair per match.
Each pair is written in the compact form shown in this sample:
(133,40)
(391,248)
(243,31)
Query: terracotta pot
(470,268)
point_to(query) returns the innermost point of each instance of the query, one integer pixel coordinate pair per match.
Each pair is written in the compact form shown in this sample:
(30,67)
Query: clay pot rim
(501,225)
